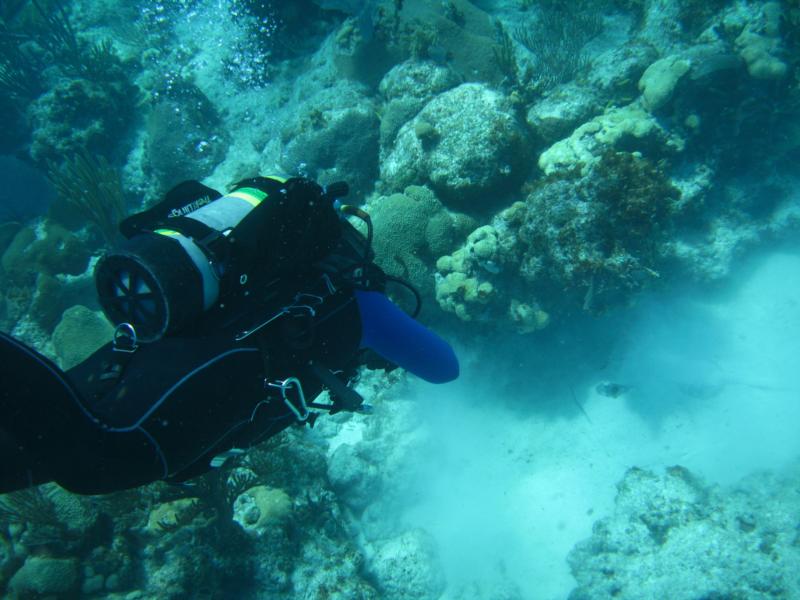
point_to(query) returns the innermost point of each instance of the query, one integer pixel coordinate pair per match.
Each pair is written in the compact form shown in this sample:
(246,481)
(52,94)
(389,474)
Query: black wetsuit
(165,411)
(119,419)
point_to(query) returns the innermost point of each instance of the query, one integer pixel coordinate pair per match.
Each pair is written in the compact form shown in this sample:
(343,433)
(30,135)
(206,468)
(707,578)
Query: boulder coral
(260,508)
(408,567)
(334,136)
(80,332)
(43,576)
(43,271)
(44,248)
(407,88)
(168,516)
(659,80)
(467,144)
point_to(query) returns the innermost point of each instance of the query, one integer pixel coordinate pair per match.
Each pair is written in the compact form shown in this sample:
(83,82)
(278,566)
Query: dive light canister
(161,280)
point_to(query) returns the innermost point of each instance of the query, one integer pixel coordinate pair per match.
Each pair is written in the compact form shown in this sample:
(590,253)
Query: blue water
(599,204)
(27,193)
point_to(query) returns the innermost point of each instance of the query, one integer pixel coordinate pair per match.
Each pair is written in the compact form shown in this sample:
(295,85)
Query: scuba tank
(198,250)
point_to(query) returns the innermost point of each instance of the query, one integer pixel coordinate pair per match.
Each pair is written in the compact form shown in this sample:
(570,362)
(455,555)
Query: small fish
(611,390)
(491,266)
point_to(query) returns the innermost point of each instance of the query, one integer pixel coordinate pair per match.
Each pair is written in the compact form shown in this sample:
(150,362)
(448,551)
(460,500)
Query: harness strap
(343,397)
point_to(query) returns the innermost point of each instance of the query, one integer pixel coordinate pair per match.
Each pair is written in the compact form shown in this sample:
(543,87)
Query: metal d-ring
(125,339)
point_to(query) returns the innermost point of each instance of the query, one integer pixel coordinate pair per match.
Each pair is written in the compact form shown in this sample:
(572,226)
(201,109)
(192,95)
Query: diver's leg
(47,432)
(18,470)
(35,419)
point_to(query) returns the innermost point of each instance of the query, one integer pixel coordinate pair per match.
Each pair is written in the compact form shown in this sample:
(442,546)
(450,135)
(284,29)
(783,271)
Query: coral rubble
(674,535)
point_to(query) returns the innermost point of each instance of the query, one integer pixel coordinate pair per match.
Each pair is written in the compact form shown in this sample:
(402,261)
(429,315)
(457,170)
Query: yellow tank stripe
(250,195)
(276,178)
(168,232)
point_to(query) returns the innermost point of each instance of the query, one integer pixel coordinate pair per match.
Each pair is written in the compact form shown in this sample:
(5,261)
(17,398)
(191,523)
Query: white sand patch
(714,387)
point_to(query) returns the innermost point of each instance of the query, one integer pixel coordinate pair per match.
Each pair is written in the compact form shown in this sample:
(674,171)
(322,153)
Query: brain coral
(412,229)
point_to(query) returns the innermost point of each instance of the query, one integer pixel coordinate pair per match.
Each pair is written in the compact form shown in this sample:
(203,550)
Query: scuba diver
(233,313)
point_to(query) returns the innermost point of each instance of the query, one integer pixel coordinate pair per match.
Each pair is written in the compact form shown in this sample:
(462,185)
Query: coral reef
(610,80)
(75,92)
(627,128)
(457,32)
(584,243)
(598,239)
(556,39)
(79,114)
(673,535)
(666,133)
(71,528)
(92,187)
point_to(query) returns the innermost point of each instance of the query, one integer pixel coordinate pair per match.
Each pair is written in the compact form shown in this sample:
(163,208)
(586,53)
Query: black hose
(412,289)
(364,216)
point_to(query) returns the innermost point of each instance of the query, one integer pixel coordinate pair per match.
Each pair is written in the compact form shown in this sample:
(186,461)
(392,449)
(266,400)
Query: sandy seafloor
(714,386)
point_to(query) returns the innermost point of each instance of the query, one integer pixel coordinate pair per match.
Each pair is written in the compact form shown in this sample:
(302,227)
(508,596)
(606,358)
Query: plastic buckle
(284,386)
(125,339)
